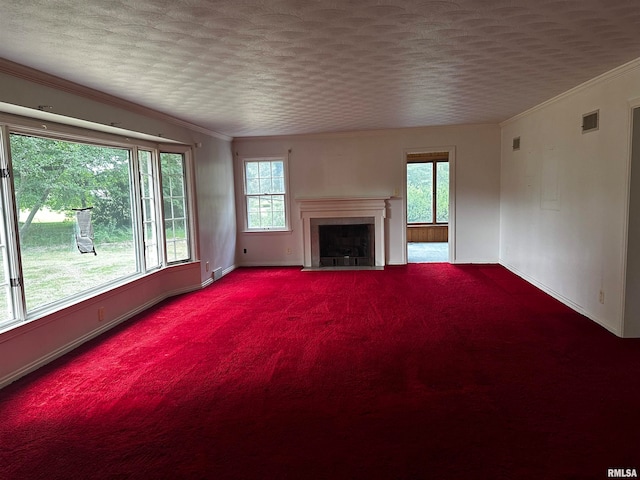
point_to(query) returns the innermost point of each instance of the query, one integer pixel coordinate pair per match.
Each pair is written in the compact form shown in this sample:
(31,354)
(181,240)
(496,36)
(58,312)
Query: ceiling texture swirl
(274,67)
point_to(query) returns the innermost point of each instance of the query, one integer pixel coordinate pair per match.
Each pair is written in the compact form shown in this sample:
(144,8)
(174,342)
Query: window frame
(13,124)
(287,210)
(434,193)
(156,209)
(190,202)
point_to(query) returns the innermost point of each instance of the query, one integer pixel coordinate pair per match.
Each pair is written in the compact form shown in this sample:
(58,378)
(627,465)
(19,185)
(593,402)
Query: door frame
(451,150)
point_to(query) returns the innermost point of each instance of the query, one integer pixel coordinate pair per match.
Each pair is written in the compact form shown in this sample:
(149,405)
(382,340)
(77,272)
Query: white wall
(215,197)
(373,163)
(564,196)
(31,345)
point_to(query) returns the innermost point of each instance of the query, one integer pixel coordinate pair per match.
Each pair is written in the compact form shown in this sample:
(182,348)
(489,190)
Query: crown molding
(611,74)
(41,78)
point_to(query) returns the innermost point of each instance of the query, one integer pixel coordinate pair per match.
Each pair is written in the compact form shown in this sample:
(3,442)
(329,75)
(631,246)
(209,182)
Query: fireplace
(343,232)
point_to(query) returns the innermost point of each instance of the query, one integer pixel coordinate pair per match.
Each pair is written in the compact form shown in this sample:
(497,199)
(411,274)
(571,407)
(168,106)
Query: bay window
(81,215)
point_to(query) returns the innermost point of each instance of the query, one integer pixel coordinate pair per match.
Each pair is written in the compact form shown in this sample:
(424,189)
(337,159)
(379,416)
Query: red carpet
(428,371)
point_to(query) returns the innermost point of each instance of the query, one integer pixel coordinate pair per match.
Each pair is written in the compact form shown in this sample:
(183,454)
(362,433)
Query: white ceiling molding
(35,76)
(610,75)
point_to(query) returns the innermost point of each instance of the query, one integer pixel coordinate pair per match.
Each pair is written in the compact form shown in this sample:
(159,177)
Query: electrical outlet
(288,251)
(601,298)
(101,314)
(245,250)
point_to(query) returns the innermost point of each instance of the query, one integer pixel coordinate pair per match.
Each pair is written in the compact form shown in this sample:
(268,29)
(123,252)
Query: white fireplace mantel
(344,207)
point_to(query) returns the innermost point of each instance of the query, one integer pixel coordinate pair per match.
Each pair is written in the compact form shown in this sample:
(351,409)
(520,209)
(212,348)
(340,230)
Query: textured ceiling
(251,67)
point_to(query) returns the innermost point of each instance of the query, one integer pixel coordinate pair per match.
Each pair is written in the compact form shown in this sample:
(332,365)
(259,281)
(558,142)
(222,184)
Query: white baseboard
(561,298)
(57,353)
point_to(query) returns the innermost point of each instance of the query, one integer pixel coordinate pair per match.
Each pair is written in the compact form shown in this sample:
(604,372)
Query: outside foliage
(420,189)
(175,206)
(265,191)
(55,177)
(62,176)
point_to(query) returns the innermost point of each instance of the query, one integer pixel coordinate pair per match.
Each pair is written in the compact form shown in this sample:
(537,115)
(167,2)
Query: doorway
(428,207)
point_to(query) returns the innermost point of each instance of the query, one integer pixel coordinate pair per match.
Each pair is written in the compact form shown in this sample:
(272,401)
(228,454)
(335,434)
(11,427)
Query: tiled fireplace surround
(341,211)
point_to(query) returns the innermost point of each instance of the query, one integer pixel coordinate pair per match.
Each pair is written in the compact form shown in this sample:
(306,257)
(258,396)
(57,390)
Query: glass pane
(175,206)
(178,207)
(177,183)
(420,193)
(265,169)
(277,169)
(265,204)
(265,185)
(180,229)
(169,230)
(6,301)
(151,256)
(253,219)
(253,187)
(149,233)
(442,192)
(278,219)
(253,204)
(52,178)
(145,190)
(266,218)
(278,203)
(251,169)
(278,185)
(144,159)
(181,250)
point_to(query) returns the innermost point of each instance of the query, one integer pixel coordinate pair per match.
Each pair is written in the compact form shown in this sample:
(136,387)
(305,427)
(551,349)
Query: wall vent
(217,274)
(516,143)
(590,121)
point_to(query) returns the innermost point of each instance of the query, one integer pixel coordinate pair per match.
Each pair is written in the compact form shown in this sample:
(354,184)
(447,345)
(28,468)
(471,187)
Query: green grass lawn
(56,272)
(54,269)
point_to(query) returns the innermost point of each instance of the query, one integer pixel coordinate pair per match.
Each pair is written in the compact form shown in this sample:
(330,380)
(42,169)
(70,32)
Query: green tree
(64,175)
(419,193)
(420,187)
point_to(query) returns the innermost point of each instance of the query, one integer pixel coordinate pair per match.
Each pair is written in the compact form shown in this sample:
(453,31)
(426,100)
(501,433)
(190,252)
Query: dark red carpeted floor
(428,371)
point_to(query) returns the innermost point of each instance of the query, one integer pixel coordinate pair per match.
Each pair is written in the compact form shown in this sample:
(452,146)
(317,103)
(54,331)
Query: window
(148,182)
(265,194)
(427,190)
(176,225)
(62,196)
(6,300)
(52,179)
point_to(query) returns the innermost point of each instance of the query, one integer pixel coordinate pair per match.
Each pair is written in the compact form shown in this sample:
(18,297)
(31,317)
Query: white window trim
(192,217)
(287,204)
(29,126)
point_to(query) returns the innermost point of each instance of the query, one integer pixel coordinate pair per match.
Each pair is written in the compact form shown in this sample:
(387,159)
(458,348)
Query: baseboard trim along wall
(59,352)
(561,298)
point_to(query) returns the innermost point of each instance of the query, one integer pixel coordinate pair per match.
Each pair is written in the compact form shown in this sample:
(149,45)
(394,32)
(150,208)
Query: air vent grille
(590,121)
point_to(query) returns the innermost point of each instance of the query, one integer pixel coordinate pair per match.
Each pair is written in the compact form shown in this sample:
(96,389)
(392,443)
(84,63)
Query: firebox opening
(346,245)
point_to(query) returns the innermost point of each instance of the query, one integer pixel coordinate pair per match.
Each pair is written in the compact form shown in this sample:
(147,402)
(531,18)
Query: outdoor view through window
(52,178)
(45,185)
